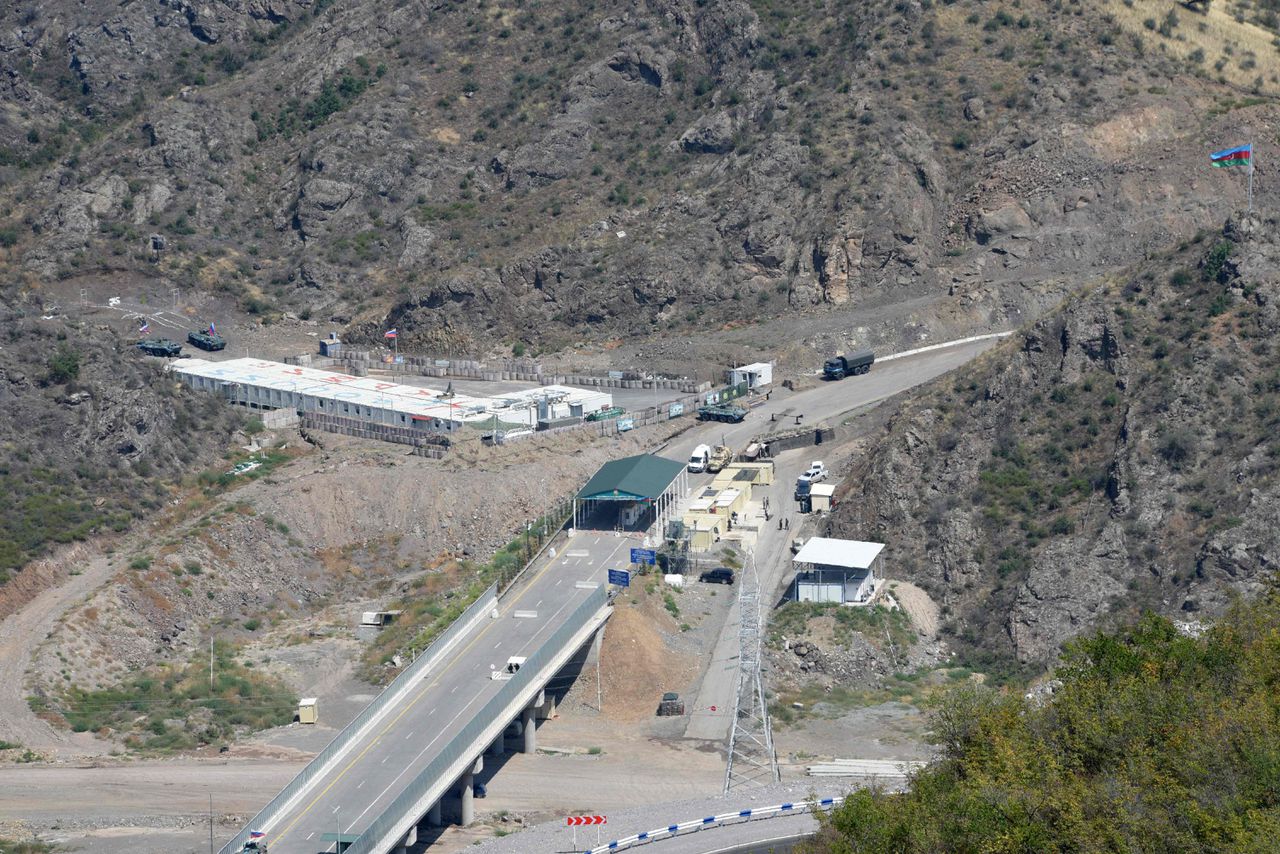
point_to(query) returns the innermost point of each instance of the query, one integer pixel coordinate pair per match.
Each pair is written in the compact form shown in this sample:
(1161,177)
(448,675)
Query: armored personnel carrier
(206,340)
(160,347)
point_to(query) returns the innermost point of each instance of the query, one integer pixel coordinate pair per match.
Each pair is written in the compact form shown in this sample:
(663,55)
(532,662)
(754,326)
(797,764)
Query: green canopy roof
(631,479)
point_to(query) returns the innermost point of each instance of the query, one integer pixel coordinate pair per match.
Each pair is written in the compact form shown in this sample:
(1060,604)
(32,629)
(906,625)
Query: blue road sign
(675,410)
(648,556)
(620,577)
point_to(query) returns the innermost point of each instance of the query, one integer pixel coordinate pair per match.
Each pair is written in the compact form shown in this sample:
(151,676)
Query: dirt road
(74,572)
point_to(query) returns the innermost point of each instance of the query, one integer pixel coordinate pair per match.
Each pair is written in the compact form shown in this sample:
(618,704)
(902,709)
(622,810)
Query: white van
(701,456)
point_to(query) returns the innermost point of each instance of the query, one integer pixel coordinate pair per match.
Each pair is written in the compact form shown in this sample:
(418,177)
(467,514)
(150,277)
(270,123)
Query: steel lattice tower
(752,761)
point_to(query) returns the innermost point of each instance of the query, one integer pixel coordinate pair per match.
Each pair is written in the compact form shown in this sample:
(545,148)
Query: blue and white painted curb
(790,808)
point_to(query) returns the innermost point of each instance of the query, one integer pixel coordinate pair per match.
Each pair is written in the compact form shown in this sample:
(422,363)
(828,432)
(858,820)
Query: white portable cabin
(831,570)
(754,375)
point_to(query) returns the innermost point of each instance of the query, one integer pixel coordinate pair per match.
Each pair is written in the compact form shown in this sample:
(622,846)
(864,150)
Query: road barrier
(973,339)
(383,833)
(752,814)
(440,646)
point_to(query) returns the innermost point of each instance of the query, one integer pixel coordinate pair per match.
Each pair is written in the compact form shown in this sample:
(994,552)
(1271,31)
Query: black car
(723,575)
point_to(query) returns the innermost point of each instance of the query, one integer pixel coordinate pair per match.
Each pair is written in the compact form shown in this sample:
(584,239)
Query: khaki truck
(720,457)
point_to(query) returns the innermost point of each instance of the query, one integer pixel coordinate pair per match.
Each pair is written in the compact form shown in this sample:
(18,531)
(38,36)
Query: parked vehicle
(670,705)
(720,458)
(723,575)
(803,486)
(206,340)
(797,544)
(816,471)
(700,458)
(606,414)
(724,412)
(160,347)
(839,367)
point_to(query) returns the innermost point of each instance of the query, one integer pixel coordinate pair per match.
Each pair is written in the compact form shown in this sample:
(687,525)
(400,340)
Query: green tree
(64,365)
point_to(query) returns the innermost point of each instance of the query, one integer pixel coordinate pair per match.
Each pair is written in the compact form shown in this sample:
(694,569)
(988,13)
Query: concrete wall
(425,446)
(278,418)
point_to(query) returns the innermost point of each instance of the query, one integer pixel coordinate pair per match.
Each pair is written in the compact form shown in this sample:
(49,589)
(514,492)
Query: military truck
(606,414)
(671,705)
(719,458)
(206,340)
(839,367)
(160,347)
(722,412)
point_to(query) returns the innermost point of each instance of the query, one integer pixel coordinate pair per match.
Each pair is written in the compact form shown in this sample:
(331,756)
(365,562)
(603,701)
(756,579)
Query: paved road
(762,836)
(357,789)
(772,555)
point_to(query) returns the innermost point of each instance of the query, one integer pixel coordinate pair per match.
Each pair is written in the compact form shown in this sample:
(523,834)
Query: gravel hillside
(1117,455)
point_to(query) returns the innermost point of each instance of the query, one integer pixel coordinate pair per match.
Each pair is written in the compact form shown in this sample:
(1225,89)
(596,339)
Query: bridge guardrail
(384,825)
(341,741)
(790,808)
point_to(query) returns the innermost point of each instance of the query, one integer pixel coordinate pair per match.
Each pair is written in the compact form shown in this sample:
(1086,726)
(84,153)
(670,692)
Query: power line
(752,761)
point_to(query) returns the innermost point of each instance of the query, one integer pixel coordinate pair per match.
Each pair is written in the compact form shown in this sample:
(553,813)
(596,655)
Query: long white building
(261,384)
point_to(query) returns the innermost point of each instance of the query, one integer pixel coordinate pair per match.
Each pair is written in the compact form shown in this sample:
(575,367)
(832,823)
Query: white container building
(261,384)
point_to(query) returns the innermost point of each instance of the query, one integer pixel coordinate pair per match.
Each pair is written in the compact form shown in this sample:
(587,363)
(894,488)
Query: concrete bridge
(408,761)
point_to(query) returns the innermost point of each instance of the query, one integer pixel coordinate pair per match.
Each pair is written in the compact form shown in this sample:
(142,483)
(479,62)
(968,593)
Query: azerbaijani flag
(390,333)
(1239,156)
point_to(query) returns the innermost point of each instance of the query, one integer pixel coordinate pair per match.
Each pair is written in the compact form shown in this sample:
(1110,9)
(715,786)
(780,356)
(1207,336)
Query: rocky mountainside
(480,174)
(94,437)
(1119,454)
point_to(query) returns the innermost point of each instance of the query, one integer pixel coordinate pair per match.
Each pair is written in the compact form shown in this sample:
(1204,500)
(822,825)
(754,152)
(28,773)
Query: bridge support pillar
(433,815)
(530,730)
(468,794)
(499,746)
(410,838)
(547,710)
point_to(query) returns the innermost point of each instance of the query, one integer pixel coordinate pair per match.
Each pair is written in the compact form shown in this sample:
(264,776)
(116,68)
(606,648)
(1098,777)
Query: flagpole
(1250,177)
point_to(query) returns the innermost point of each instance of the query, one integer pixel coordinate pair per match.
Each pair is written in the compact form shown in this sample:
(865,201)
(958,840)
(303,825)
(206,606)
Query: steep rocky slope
(93,435)
(1116,455)
(494,173)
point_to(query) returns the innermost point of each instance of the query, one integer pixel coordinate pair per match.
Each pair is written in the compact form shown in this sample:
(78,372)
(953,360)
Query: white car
(816,471)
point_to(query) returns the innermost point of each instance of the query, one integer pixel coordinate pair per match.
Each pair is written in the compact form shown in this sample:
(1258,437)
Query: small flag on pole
(213,330)
(145,328)
(256,834)
(390,333)
(1239,156)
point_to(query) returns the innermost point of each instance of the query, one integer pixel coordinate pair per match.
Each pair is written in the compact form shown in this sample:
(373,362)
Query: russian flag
(256,834)
(1239,156)
(213,330)
(390,333)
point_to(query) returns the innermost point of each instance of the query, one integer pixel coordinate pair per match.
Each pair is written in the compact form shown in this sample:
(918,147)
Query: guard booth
(822,497)
(754,375)
(308,710)
(846,572)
